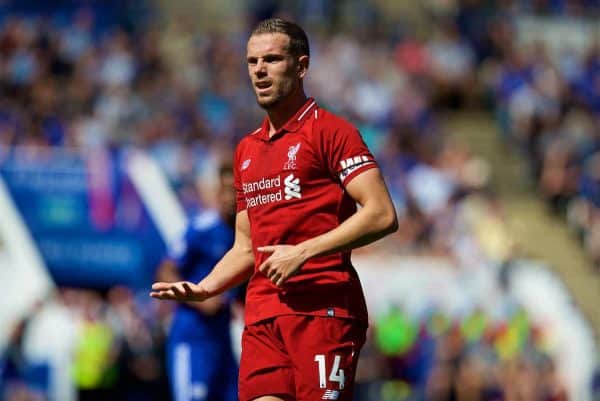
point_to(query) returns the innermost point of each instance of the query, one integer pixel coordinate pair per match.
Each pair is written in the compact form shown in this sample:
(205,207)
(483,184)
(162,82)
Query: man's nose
(260,69)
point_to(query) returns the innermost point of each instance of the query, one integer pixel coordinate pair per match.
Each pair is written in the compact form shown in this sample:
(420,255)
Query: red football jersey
(292,186)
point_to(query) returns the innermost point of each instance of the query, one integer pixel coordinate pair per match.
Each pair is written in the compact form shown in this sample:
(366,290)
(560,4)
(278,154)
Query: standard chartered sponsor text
(263,183)
(269,190)
(262,199)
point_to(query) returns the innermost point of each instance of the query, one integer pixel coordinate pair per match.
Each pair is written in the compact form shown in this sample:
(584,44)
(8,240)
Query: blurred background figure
(200,352)
(483,114)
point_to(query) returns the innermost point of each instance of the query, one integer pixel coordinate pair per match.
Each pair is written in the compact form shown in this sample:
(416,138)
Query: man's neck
(283,112)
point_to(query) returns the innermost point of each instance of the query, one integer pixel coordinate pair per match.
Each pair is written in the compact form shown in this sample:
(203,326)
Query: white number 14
(336,375)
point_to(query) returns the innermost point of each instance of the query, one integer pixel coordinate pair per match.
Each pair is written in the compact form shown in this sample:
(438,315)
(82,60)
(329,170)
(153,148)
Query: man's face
(274,73)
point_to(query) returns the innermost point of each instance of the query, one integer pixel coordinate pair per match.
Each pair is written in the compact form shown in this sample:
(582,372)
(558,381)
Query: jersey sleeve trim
(354,170)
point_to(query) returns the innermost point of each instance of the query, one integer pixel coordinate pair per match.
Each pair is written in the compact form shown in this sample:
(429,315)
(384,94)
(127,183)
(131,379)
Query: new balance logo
(292,187)
(331,395)
(246,163)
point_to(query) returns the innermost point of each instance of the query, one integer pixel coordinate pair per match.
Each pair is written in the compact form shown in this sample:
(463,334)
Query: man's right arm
(235,267)
(168,272)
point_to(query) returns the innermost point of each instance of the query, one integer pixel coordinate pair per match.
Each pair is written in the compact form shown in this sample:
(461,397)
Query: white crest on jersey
(292,152)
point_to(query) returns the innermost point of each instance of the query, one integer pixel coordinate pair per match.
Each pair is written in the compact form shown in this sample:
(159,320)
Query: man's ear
(303,62)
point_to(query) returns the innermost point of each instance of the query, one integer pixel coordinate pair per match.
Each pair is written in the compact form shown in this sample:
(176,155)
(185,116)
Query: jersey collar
(293,124)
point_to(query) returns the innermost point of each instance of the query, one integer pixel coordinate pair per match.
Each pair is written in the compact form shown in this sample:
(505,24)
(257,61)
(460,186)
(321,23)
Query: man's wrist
(209,289)
(307,250)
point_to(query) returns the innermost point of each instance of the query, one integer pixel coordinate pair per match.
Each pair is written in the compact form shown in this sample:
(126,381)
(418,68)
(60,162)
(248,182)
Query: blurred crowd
(547,103)
(471,358)
(109,346)
(182,94)
(86,345)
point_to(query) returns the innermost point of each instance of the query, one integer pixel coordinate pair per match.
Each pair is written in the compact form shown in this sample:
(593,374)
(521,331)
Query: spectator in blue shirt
(200,358)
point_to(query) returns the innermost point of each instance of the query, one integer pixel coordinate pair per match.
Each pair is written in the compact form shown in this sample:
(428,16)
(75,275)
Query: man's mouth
(263,85)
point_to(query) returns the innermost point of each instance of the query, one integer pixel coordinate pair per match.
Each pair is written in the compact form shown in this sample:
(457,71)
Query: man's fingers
(267,248)
(280,280)
(179,289)
(161,286)
(162,290)
(188,289)
(277,278)
(169,290)
(264,267)
(163,294)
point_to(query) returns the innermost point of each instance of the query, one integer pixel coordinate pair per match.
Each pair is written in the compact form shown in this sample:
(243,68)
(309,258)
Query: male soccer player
(200,361)
(298,179)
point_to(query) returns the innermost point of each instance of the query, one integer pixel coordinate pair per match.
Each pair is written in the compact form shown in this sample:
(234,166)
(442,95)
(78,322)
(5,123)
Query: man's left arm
(375,219)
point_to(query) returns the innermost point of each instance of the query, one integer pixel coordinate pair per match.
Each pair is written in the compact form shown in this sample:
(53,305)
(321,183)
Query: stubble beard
(275,100)
(268,103)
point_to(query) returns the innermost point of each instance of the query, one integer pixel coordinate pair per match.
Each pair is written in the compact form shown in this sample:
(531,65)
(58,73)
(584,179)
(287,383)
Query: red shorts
(299,357)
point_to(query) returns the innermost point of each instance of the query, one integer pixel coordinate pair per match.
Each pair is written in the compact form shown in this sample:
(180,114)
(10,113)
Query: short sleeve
(345,153)
(237,182)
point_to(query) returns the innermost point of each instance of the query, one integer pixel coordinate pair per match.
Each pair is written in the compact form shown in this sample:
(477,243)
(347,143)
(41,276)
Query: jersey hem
(345,316)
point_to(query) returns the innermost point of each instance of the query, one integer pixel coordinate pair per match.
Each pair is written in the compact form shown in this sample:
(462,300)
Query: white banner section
(24,277)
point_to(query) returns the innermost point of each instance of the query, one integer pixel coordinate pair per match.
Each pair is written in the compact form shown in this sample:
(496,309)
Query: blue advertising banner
(85,215)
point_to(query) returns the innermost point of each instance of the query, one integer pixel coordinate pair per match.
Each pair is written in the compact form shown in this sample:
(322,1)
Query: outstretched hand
(181,291)
(283,263)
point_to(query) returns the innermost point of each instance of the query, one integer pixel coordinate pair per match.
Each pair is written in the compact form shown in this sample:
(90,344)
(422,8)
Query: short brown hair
(298,40)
